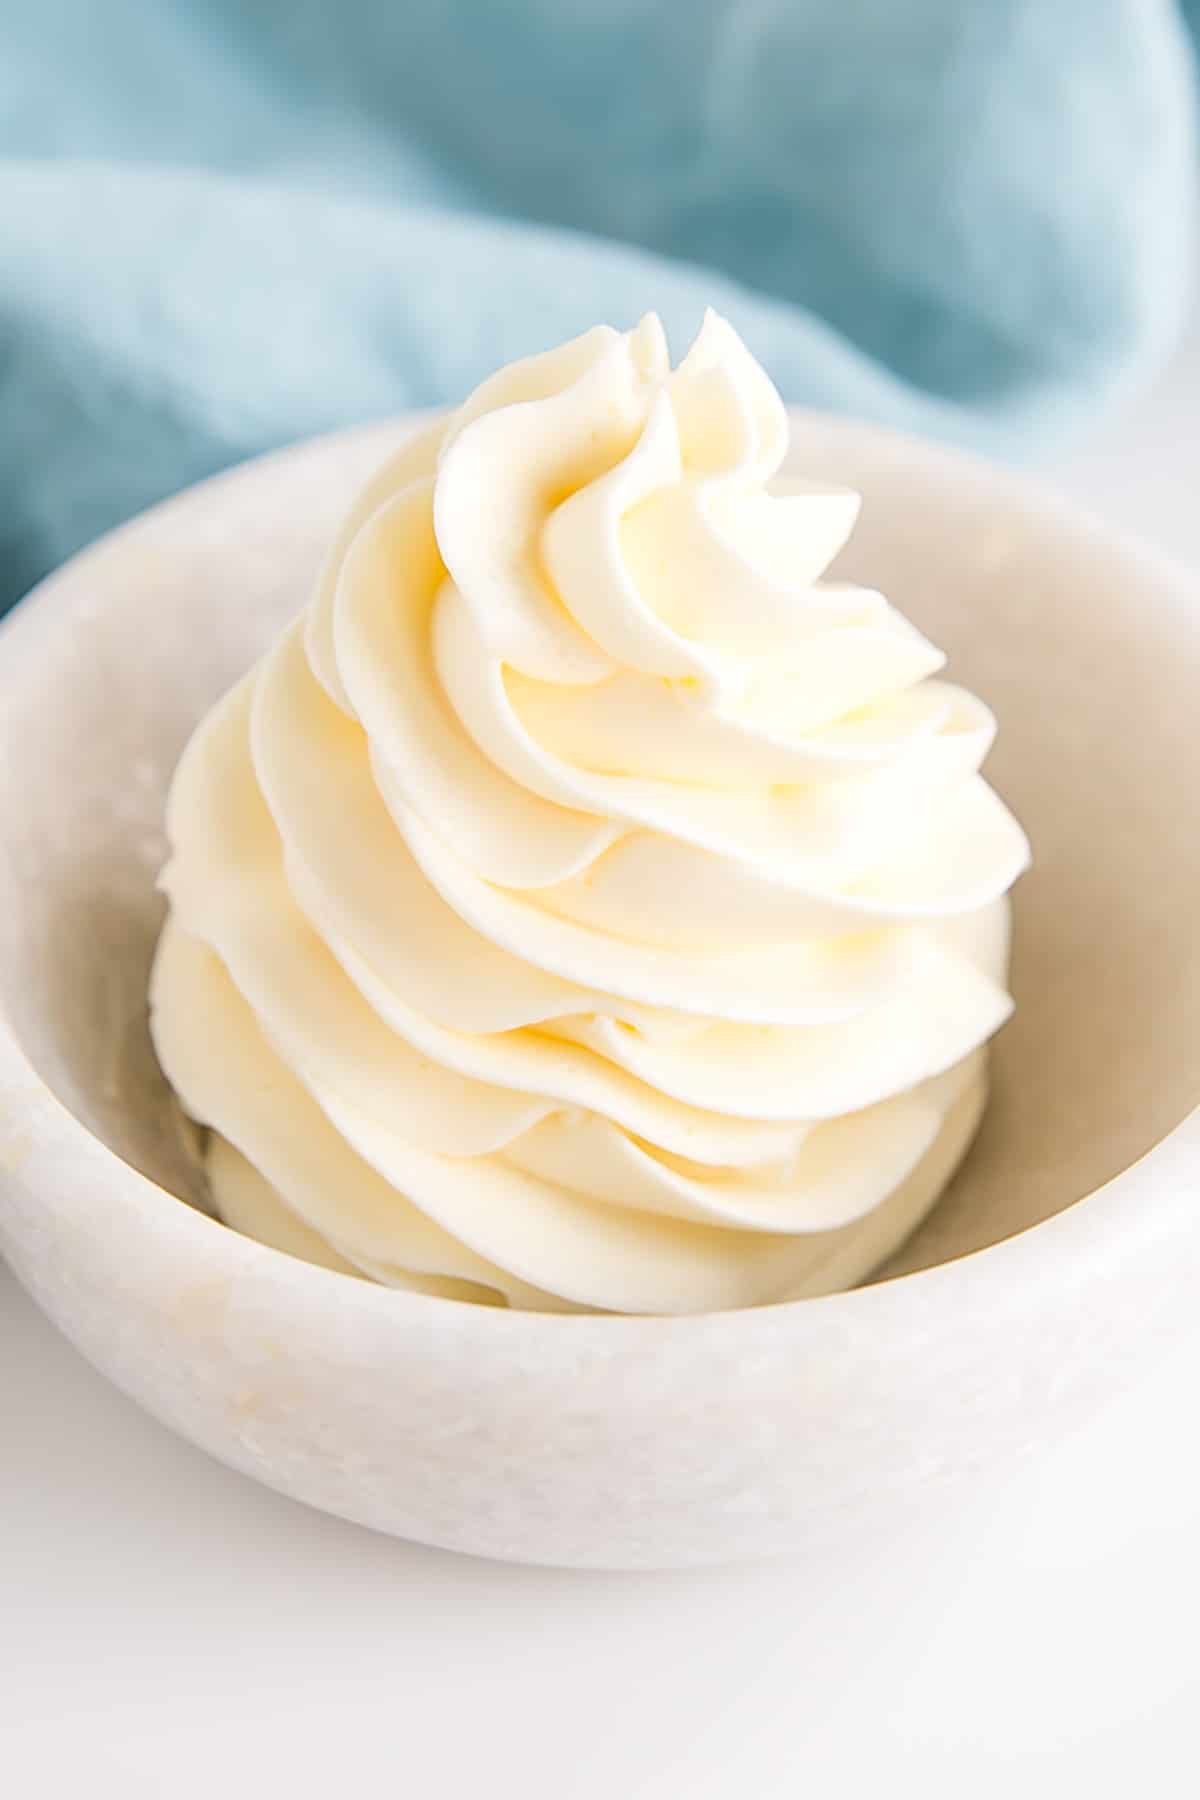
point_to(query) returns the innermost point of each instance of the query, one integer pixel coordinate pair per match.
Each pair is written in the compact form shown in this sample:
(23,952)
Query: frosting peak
(584,904)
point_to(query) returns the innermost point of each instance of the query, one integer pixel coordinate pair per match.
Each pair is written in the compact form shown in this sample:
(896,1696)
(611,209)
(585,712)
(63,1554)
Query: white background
(167,1628)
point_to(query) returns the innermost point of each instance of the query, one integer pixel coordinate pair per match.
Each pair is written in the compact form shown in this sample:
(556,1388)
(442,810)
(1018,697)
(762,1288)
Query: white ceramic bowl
(1067,1252)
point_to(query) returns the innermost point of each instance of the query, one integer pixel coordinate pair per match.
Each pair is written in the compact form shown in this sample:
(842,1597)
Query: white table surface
(167,1627)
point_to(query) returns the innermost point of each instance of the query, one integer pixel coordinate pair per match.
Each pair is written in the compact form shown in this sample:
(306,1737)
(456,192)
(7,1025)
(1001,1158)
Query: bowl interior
(1088,650)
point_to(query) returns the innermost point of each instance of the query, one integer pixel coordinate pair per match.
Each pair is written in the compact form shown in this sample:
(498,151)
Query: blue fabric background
(228,223)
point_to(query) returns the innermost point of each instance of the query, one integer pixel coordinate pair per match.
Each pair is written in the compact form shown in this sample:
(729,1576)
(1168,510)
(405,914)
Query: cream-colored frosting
(583,904)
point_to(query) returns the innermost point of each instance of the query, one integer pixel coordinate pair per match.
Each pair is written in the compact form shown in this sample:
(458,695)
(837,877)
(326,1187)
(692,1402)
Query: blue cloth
(228,223)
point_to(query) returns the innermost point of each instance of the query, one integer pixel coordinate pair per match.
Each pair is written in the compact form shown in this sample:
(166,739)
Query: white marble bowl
(1067,1251)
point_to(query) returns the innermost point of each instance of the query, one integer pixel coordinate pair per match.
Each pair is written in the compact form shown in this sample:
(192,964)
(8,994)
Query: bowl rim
(32,622)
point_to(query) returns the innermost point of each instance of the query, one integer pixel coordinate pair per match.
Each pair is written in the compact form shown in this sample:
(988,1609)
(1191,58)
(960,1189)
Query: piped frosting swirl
(584,904)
